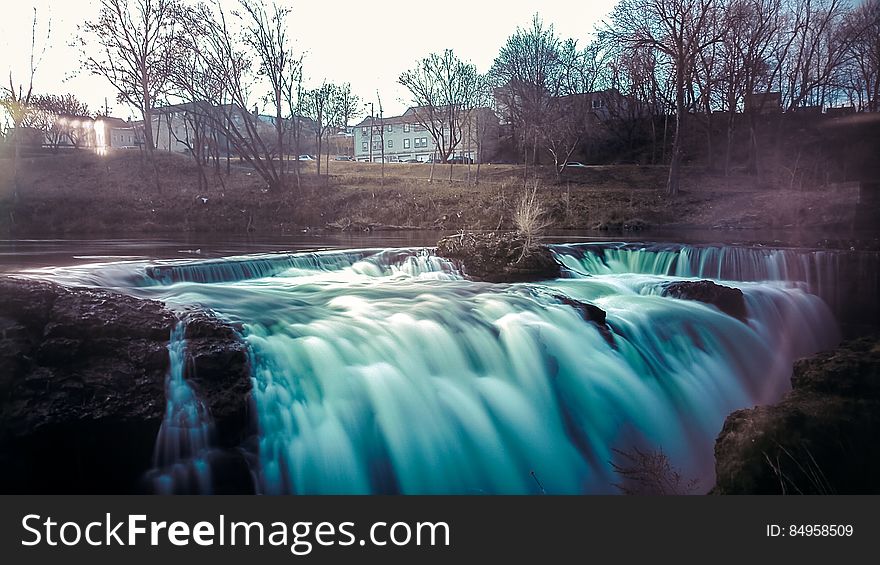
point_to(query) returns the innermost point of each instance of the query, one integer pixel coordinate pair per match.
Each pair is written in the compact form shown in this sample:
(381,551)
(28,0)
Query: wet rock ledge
(82,387)
(820,439)
(729,300)
(499,257)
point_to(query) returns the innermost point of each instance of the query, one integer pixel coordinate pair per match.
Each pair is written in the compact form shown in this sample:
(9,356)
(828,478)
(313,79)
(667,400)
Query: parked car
(306,158)
(460,160)
(410,161)
(344,158)
(574,165)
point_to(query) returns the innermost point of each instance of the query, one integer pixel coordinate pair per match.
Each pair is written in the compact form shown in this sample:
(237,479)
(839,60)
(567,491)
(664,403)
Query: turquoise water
(386,371)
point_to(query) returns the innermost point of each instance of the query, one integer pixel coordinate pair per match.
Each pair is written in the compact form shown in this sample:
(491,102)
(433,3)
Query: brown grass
(81,192)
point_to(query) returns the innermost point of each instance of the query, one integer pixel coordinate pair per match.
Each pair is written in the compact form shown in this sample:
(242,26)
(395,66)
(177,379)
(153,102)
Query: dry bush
(530,218)
(650,473)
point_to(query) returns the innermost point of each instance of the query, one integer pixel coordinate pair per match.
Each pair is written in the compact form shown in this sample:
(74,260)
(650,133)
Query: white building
(406,140)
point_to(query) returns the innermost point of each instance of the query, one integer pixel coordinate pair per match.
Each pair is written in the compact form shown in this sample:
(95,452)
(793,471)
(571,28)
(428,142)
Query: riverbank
(819,439)
(82,193)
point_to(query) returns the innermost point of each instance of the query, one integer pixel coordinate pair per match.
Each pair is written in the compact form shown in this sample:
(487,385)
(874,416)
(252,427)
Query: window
(405,142)
(421,142)
(377,145)
(364,146)
(390,143)
(405,129)
(598,103)
(364,132)
(389,128)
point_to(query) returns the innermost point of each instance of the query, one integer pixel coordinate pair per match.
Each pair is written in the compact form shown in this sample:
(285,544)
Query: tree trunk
(296,134)
(279,132)
(318,141)
(673,181)
(753,145)
(148,130)
(16,162)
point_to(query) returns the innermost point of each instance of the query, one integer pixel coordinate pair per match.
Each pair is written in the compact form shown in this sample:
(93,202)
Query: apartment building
(404,139)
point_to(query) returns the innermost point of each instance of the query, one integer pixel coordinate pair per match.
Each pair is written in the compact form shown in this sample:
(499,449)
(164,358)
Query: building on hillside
(763,103)
(405,139)
(180,128)
(117,133)
(341,141)
(70,131)
(601,105)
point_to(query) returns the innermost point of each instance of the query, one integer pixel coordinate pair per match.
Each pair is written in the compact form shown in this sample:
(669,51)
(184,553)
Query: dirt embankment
(85,193)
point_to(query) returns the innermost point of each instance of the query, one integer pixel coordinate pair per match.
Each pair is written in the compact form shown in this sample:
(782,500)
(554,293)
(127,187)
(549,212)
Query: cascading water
(183,447)
(387,372)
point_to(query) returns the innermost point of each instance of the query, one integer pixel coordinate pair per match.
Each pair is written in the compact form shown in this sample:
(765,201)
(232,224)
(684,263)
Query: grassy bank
(85,193)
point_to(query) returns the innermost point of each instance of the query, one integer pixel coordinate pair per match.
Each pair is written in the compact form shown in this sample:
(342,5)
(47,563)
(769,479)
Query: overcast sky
(365,43)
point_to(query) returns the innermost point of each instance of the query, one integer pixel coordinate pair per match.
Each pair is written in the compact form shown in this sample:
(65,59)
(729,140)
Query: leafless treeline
(696,57)
(693,62)
(218,67)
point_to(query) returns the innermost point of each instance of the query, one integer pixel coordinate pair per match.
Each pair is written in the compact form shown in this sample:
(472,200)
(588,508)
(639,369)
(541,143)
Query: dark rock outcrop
(219,373)
(499,257)
(820,439)
(728,300)
(590,313)
(82,385)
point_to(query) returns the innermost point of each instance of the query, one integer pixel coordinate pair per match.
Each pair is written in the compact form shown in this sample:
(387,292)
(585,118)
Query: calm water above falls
(386,371)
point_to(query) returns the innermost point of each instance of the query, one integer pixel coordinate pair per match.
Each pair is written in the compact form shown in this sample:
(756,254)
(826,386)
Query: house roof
(408,117)
(117,123)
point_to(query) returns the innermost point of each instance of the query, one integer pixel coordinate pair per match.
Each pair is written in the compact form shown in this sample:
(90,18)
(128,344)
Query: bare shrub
(650,473)
(530,219)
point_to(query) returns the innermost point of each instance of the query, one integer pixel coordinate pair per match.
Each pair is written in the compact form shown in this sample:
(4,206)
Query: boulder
(219,373)
(728,300)
(82,386)
(499,257)
(590,313)
(820,439)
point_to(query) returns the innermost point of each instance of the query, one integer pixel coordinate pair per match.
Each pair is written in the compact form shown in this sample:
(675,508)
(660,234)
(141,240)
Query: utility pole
(381,135)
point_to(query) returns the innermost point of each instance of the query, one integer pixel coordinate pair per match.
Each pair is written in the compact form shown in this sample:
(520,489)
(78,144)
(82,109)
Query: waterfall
(385,371)
(816,270)
(183,446)
(250,267)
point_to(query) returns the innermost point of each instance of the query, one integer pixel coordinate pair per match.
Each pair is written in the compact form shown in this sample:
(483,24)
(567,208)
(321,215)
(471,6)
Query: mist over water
(386,371)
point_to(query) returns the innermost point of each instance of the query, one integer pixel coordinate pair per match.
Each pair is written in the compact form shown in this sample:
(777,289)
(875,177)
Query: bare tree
(266,33)
(566,122)
(294,96)
(863,74)
(680,30)
(319,106)
(820,45)
(484,120)
(642,75)
(441,86)
(348,106)
(16,98)
(135,47)
(527,75)
(53,115)
(222,93)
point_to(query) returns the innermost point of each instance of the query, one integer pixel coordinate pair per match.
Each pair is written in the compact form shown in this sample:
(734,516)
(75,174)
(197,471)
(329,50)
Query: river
(379,368)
